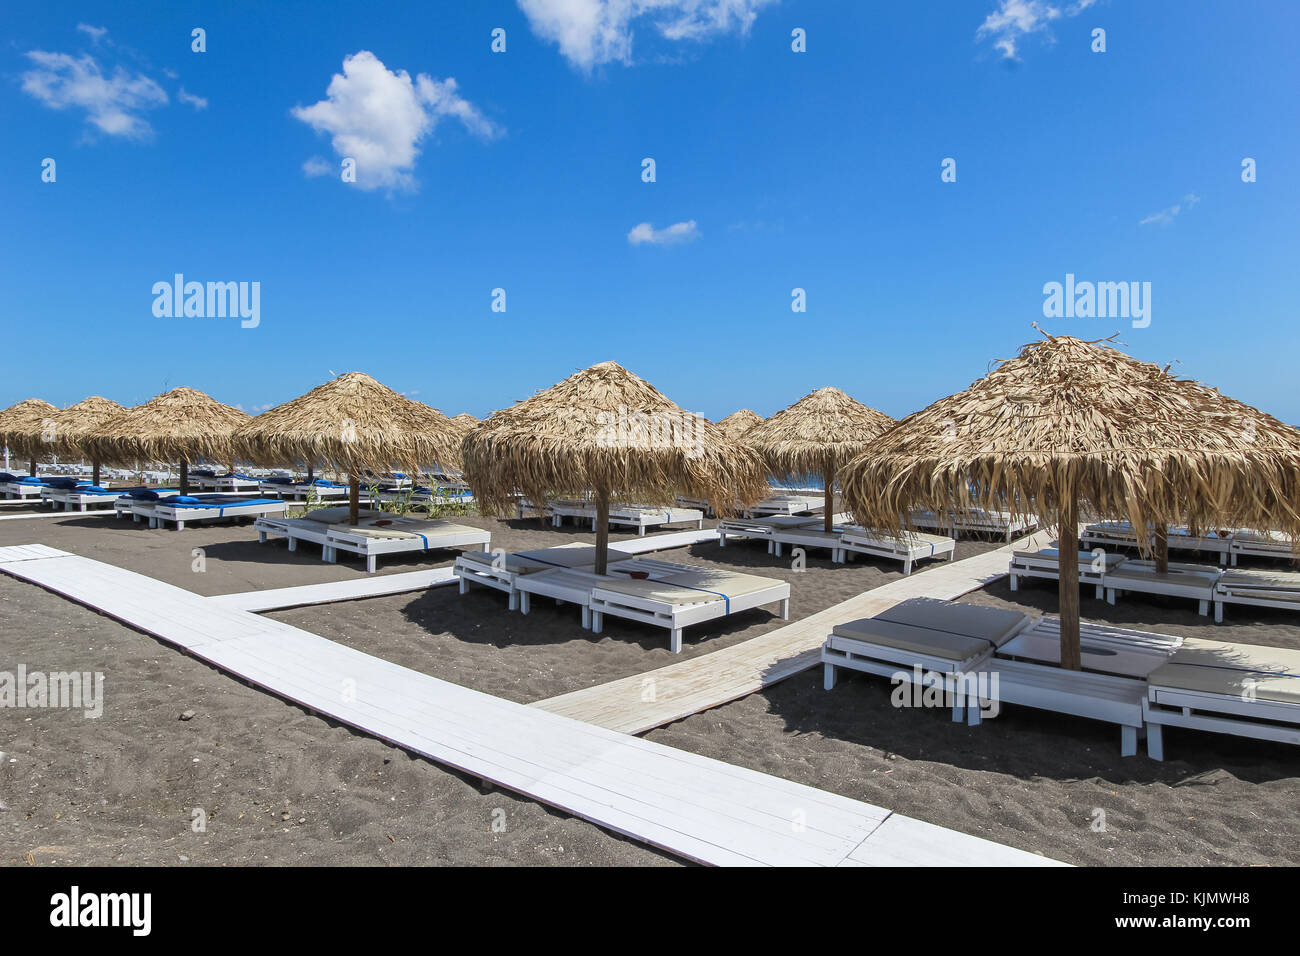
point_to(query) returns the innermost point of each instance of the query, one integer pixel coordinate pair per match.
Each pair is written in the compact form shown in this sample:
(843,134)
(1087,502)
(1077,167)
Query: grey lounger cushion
(1212,667)
(990,624)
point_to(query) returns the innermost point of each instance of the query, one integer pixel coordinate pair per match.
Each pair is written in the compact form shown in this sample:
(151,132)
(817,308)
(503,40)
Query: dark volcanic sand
(121,789)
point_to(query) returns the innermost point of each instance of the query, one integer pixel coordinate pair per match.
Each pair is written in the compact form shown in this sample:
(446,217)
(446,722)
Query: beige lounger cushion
(401,528)
(548,559)
(909,637)
(988,624)
(691,587)
(1244,579)
(1212,667)
(1178,573)
(337,513)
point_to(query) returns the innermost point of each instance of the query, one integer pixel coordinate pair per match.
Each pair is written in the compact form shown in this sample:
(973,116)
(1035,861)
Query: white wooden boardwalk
(711,680)
(331,591)
(695,807)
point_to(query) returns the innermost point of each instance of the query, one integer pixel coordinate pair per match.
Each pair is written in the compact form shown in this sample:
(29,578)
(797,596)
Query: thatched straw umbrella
(1069,423)
(80,421)
(818,435)
(352,424)
(181,425)
(606,431)
(23,428)
(466,423)
(738,422)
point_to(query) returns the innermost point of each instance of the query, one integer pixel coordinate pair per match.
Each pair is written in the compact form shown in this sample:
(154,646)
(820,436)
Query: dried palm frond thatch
(738,422)
(352,424)
(1068,423)
(77,422)
(23,429)
(182,425)
(465,422)
(817,435)
(608,432)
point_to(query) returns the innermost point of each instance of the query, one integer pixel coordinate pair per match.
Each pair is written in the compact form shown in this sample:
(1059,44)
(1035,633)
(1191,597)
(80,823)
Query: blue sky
(817,170)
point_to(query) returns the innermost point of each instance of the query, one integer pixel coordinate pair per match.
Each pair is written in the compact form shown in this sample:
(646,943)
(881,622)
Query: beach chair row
(843,541)
(1226,545)
(974,659)
(661,593)
(1112,575)
(378,534)
(161,508)
(638,517)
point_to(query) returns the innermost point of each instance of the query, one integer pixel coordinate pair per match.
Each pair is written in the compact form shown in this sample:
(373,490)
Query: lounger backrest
(991,624)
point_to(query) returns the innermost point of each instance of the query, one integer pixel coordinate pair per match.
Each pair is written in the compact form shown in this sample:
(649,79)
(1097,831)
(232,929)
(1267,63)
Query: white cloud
(591,32)
(677,232)
(316,166)
(95,33)
(198,102)
(379,117)
(1166,216)
(114,104)
(1015,19)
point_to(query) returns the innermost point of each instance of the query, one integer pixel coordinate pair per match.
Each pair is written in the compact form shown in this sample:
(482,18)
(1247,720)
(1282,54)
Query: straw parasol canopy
(1069,423)
(608,432)
(818,435)
(182,425)
(465,422)
(77,422)
(23,428)
(738,422)
(352,424)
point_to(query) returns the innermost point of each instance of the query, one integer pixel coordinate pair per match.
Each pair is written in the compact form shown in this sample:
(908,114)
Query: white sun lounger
(80,499)
(975,521)
(1242,689)
(1111,687)
(219,508)
(1120,534)
(1046,564)
(1274,544)
(1262,588)
(313,527)
(574,585)
(909,547)
(922,638)
(676,601)
(639,517)
(1195,581)
(399,535)
(785,504)
(502,571)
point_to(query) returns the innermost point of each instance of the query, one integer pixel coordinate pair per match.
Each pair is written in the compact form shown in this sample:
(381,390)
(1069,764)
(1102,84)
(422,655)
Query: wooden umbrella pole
(830,495)
(310,473)
(94,473)
(185,477)
(1162,549)
(354,499)
(1068,536)
(602,529)
(32,470)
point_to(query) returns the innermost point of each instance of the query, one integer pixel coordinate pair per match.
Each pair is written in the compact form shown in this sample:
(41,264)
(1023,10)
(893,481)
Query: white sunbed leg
(597,621)
(777,546)
(1203,608)
(1110,595)
(675,640)
(586,618)
(1128,741)
(464,585)
(1015,583)
(1218,612)
(640,531)
(785,609)
(1099,590)
(372,560)
(1155,742)
(828,676)
(293,545)
(525,602)
(722,540)
(514,600)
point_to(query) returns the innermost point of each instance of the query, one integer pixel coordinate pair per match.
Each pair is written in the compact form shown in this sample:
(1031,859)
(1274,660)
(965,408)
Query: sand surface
(281,786)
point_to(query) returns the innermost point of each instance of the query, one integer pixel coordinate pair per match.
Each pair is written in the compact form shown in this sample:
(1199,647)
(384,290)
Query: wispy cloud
(198,102)
(677,232)
(591,32)
(1166,216)
(114,103)
(379,117)
(95,33)
(1015,19)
